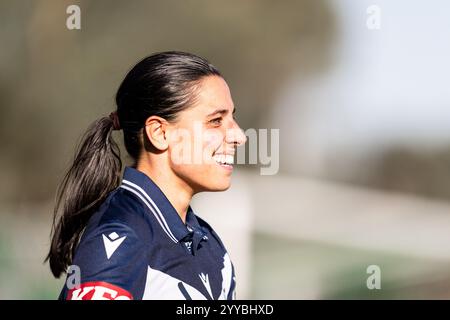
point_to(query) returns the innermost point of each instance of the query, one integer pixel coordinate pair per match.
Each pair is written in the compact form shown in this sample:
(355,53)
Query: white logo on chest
(161,286)
(112,242)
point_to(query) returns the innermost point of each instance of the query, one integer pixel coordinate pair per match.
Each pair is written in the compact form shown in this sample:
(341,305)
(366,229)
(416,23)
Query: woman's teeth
(224,159)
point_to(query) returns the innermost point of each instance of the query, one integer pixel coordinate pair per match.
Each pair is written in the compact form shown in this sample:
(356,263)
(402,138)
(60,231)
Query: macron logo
(112,242)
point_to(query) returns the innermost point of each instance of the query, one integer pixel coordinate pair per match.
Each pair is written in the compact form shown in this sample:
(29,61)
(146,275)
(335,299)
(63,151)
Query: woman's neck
(176,190)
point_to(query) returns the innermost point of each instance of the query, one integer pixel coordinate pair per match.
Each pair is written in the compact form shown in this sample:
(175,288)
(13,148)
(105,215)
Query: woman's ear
(155,130)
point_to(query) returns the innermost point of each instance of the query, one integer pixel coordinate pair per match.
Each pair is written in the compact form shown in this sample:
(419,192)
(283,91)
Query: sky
(388,86)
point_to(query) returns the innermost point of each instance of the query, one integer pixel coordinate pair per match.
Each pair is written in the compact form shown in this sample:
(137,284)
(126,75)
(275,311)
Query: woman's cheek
(213,135)
(180,147)
(212,140)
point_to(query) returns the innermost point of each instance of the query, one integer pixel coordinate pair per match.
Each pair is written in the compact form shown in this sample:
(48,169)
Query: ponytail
(94,173)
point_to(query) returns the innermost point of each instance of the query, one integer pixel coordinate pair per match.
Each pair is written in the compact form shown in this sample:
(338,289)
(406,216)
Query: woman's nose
(235,135)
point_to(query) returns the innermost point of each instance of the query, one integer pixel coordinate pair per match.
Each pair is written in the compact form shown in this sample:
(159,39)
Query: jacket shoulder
(121,208)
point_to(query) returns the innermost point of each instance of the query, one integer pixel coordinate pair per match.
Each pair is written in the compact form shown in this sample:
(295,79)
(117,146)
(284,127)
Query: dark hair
(162,84)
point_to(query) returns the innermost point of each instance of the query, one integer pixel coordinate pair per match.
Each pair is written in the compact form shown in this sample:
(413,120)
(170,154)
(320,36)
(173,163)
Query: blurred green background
(363,113)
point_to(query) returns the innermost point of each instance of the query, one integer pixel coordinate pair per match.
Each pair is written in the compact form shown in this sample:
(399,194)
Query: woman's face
(204,137)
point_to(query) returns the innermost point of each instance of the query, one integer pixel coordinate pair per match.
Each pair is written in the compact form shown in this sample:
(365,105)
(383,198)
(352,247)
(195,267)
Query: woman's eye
(216,121)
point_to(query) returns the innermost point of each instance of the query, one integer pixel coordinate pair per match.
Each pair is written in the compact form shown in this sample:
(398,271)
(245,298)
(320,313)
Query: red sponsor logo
(98,291)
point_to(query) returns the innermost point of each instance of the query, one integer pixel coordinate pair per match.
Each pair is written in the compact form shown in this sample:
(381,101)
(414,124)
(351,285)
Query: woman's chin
(222,188)
(217,186)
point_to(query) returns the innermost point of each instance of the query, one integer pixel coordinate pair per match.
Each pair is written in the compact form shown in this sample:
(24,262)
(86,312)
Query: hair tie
(115,120)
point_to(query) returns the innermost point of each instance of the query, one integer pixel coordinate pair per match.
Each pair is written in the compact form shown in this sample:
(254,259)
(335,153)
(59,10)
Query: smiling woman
(139,238)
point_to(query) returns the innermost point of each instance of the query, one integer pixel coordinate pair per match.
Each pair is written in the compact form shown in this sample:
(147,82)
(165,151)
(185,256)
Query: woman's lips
(225,161)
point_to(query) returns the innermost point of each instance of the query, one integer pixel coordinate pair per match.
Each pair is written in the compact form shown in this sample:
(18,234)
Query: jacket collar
(142,186)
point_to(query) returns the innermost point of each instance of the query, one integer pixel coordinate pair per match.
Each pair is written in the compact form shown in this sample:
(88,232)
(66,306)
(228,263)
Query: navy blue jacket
(137,247)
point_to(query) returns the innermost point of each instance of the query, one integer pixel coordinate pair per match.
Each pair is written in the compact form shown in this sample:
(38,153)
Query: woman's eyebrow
(222,111)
